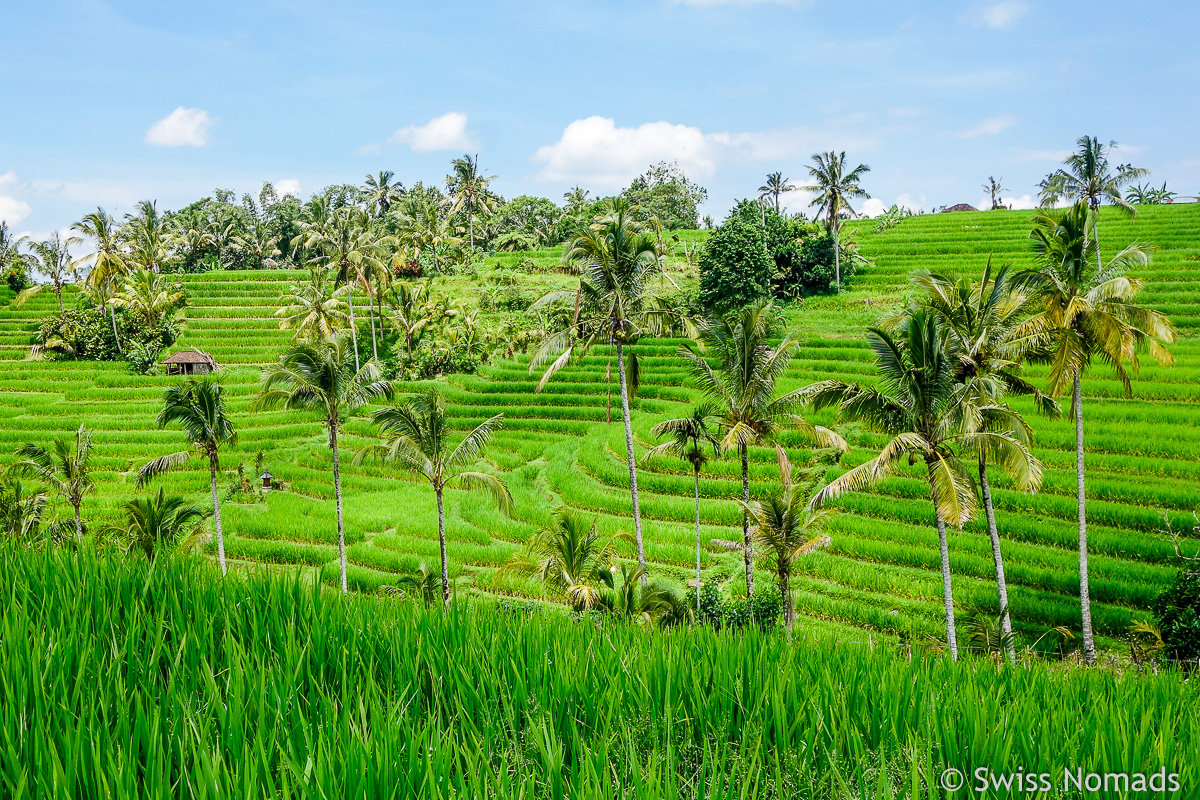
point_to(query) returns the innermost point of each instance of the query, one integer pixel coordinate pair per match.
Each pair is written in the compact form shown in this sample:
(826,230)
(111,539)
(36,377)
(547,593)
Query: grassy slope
(556,449)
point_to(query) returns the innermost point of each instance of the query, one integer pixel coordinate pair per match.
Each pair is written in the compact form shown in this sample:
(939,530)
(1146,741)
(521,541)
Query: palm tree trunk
(633,489)
(947,592)
(371,312)
(747,552)
(442,545)
(998,560)
(337,492)
(608,383)
(837,255)
(212,481)
(789,610)
(112,315)
(58,294)
(697,481)
(353,327)
(471,226)
(78,525)
(1085,598)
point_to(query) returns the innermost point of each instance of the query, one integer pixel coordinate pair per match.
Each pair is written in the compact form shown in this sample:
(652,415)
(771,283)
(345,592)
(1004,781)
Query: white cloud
(13,210)
(1000,16)
(595,151)
(183,127)
(447,132)
(872,207)
(288,186)
(990,126)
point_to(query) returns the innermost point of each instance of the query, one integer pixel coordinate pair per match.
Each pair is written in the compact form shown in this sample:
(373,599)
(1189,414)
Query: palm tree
(689,435)
(423,227)
(199,407)
(1087,314)
(783,526)
(922,408)
(835,188)
(65,470)
(423,583)
(776,185)
(568,556)
(1086,176)
(313,308)
(468,190)
(742,386)
(994,189)
(638,600)
(152,296)
(575,201)
(52,258)
(982,323)
(257,243)
(322,376)
(149,237)
(22,512)
(380,192)
(108,261)
(154,523)
(612,305)
(10,250)
(415,437)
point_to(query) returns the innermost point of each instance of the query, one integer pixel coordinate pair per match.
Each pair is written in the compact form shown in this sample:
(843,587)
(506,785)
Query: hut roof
(190,356)
(961,207)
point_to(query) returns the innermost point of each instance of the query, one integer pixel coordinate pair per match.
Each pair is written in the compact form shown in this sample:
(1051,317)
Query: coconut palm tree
(613,305)
(785,527)
(568,556)
(468,191)
(109,267)
(148,237)
(380,192)
(741,385)
(65,470)
(53,259)
(313,308)
(638,600)
(923,408)
(416,436)
(322,376)
(23,512)
(994,190)
(776,185)
(154,523)
(199,407)
(257,243)
(983,325)
(835,188)
(1087,176)
(10,250)
(151,296)
(423,227)
(411,310)
(1088,314)
(689,436)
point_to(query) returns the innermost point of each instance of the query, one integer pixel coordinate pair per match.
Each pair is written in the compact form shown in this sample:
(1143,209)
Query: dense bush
(1178,614)
(764,609)
(87,333)
(16,276)
(735,268)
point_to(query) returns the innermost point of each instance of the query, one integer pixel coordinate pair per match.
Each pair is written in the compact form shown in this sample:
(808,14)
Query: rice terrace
(618,476)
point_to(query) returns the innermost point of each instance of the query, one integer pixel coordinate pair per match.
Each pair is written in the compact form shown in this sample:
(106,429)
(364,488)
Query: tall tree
(994,189)
(53,259)
(742,385)
(313,308)
(66,470)
(1088,314)
(199,407)
(151,296)
(468,189)
(322,376)
(776,185)
(982,322)
(689,437)
(613,305)
(922,407)
(381,192)
(108,261)
(835,188)
(417,437)
(1087,176)
(148,237)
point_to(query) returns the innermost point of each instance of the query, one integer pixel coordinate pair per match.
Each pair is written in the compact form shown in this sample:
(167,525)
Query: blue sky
(112,102)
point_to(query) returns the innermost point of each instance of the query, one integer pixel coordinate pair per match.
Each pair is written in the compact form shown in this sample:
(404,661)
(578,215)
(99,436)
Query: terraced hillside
(881,572)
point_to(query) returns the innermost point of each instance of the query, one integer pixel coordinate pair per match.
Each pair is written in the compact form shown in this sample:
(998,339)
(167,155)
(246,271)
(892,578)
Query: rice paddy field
(877,582)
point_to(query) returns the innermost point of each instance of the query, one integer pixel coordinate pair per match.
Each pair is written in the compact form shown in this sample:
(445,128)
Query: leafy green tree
(109,268)
(735,268)
(416,437)
(53,259)
(776,185)
(689,437)
(1088,314)
(569,557)
(14,264)
(921,406)
(148,237)
(835,188)
(1086,176)
(153,298)
(381,192)
(468,190)
(65,470)
(322,376)
(741,384)
(665,193)
(313,308)
(199,407)
(153,524)
(422,226)
(613,305)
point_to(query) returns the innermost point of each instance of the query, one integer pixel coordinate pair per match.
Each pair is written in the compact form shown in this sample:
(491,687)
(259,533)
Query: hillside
(555,449)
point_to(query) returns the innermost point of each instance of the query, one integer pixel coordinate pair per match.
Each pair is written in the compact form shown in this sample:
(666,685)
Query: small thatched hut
(960,207)
(190,362)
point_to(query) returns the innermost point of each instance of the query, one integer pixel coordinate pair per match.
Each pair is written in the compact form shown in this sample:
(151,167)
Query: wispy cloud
(183,127)
(447,132)
(1000,16)
(989,127)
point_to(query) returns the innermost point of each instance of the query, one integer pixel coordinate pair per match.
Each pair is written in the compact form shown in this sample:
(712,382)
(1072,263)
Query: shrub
(1178,613)
(735,268)
(143,357)
(763,609)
